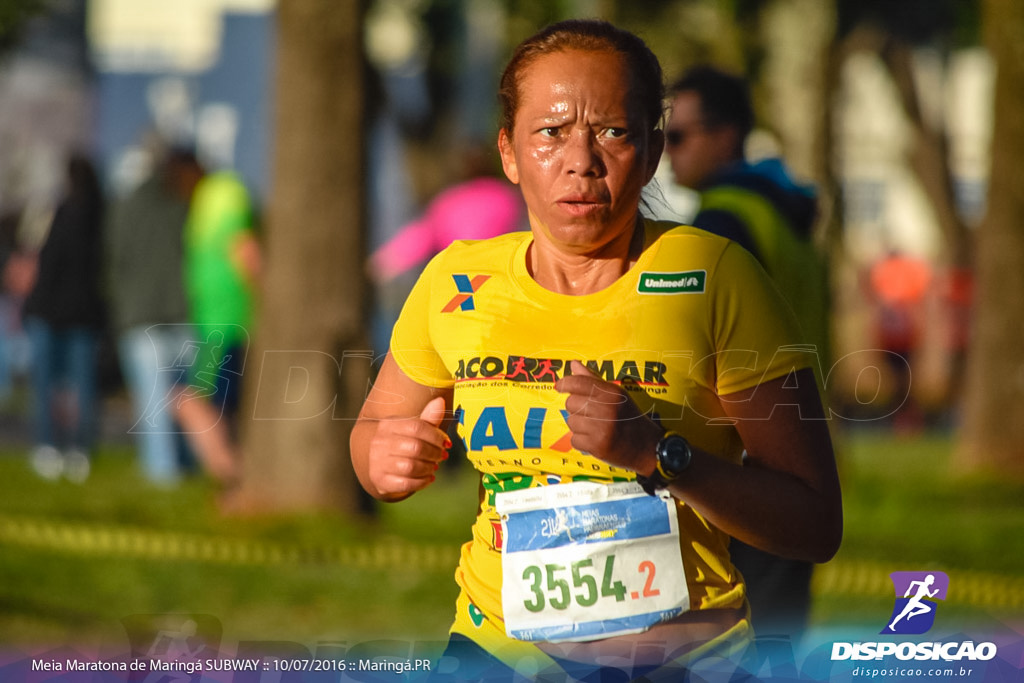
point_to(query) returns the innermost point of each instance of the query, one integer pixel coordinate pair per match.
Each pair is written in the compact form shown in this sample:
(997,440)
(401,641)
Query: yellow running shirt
(696,317)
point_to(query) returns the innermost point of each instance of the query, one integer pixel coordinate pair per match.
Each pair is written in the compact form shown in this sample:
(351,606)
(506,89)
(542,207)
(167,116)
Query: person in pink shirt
(478,208)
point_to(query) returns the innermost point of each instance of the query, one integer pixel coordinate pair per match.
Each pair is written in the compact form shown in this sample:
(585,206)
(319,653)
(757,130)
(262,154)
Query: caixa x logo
(466,288)
(914,612)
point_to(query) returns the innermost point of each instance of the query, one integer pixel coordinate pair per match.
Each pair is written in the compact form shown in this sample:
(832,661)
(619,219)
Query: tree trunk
(992,438)
(797,36)
(308,373)
(798,79)
(929,158)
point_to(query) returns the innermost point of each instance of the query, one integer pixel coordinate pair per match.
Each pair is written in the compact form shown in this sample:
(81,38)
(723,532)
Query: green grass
(901,505)
(903,511)
(48,595)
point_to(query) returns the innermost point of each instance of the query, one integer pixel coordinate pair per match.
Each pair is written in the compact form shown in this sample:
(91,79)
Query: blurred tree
(992,438)
(308,367)
(894,31)
(13,15)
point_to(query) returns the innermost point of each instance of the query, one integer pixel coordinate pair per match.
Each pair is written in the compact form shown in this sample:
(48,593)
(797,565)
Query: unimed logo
(672,283)
(916,593)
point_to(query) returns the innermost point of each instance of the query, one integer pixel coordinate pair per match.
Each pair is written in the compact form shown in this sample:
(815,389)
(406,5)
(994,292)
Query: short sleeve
(412,343)
(755,333)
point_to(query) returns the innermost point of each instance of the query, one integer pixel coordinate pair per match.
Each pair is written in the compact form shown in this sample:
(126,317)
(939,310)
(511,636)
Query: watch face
(674,455)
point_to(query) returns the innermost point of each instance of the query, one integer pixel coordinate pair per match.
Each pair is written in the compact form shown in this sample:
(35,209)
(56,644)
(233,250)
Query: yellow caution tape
(118,541)
(966,587)
(838,578)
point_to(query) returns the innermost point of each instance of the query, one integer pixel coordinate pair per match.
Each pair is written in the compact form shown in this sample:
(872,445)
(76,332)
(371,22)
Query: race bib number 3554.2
(584,561)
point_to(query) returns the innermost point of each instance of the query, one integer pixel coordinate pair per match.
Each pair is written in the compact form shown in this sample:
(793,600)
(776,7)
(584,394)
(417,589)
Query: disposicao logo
(916,593)
(672,283)
(914,614)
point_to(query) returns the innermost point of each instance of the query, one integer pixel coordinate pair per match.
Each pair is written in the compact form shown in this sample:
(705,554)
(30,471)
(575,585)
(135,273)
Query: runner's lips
(581,203)
(581,199)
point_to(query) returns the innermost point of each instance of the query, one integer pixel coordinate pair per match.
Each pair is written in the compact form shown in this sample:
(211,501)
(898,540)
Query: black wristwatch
(674,455)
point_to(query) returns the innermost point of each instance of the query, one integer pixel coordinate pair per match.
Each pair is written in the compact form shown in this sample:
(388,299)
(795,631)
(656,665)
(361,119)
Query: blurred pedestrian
(222,269)
(145,241)
(478,206)
(763,209)
(899,285)
(10,302)
(64,317)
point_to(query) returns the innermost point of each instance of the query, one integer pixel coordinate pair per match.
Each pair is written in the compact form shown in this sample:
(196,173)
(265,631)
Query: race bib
(585,561)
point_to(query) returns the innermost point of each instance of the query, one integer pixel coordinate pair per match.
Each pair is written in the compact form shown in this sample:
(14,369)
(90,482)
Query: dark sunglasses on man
(677,136)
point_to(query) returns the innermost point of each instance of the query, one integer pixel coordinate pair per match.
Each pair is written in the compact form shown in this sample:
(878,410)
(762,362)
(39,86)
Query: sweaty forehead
(563,81)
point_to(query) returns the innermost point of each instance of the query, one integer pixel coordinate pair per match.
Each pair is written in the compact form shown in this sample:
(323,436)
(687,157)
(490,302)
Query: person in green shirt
(222,264)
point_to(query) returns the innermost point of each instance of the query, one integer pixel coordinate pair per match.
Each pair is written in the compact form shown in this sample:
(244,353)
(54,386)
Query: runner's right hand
(405,453)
